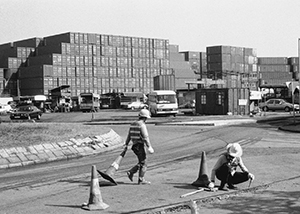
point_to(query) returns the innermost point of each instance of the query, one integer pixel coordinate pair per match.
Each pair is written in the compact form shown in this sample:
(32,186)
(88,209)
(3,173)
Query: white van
(162,102)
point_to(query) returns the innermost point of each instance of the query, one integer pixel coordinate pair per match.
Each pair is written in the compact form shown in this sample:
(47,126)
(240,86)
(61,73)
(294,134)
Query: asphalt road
(29,189)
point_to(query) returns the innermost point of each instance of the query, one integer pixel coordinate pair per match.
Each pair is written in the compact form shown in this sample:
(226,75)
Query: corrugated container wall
(1,72)
(10,73)
(32,42)
(274,68)
(293,60)
(57,39)
(164,82)
(36,71)
(174,48)
(102,63)
(272,60)
(228,61)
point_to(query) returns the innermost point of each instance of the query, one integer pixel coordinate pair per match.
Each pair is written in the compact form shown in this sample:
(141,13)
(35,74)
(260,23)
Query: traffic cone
(108,174)
(202,180)
(95,200)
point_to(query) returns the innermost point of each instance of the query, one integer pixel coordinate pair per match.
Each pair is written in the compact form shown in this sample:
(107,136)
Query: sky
(271,27)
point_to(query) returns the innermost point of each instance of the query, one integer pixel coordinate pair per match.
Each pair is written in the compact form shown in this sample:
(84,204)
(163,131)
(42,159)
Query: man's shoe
(130,176)
(143,181)
(223,188)
(230,186)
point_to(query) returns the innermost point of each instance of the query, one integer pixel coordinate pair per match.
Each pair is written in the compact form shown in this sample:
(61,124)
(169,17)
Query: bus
(162,102)
(89,102)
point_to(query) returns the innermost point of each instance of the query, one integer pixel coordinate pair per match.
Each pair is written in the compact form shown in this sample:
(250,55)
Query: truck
(128,99)
(89,102)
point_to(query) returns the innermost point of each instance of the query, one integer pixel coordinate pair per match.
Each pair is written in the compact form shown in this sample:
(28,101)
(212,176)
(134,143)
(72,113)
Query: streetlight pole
(293,99)
(299,73)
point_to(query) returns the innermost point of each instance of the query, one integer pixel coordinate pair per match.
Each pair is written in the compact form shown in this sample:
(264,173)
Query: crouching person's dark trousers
(225,176)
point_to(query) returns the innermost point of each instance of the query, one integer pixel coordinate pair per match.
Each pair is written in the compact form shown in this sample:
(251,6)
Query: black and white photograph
(149,106)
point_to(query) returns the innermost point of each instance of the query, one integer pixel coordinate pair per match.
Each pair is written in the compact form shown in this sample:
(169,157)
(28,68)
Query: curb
(73,148)
(183,206)
(209,123)
(289,129)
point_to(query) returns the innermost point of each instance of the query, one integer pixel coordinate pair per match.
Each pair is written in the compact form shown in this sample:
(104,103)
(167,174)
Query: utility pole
(299,73)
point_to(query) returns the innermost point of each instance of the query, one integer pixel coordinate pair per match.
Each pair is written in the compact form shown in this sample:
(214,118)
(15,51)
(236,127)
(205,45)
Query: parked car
(189,104)
(188,108)
(4,109)
(26,112)
(137,105)
(278,104)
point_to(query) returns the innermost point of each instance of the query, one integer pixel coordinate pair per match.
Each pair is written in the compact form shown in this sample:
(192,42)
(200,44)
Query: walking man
(226,166)
(138,135)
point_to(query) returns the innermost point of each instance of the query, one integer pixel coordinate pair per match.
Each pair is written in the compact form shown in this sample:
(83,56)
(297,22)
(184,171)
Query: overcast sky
(272,27)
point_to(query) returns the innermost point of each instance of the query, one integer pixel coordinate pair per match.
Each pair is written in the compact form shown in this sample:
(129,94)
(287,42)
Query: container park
(112,64)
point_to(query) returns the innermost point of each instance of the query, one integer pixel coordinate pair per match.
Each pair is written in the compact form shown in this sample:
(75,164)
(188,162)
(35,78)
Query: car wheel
(287,109)
(265,108)
(38,117)
(132,108)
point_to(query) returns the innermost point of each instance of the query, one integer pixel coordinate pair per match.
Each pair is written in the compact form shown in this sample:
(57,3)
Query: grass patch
(25,134)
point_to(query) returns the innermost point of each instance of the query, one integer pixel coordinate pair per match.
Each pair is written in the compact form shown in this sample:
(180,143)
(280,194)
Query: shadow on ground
(267,202)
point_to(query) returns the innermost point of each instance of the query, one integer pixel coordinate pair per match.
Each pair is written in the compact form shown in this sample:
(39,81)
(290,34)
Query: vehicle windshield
(86,100)
(24,108)
(166,99)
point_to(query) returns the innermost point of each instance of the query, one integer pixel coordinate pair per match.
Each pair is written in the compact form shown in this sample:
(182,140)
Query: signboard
(255,95)
(243,102)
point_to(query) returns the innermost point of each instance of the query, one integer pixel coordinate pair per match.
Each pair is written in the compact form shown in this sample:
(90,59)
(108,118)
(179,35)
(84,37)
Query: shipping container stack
(197,61)
(274,70)
(184,70)
(294,63)
(2,81)
(13,56)
(237,66)
(95,63)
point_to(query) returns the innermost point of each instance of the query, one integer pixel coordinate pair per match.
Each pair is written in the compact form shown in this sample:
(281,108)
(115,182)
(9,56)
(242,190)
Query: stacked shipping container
(2,80)
(13,56)
(179,63)
(237,66)
(274,70)
(96,63)
(197,62)
(294,63)
(105,63)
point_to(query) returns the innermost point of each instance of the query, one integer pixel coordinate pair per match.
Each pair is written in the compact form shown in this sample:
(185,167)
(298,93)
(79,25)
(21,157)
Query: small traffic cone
(108,174)
(95,200)
(203,179)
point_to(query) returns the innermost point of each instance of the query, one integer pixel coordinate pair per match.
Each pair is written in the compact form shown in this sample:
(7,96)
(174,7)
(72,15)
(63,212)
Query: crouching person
(226,166)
